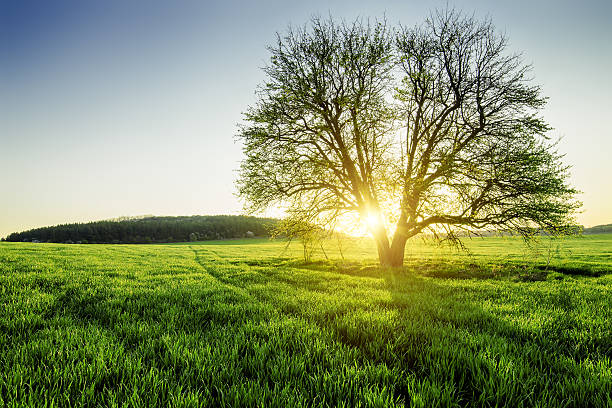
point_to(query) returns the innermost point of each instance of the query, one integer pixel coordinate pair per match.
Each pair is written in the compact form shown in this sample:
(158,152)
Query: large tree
(432,128)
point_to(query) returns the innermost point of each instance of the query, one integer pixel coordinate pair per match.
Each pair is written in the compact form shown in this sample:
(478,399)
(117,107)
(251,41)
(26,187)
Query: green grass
(247,323)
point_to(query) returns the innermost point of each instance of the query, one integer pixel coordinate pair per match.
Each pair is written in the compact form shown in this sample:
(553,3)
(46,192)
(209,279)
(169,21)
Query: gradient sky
(112,108)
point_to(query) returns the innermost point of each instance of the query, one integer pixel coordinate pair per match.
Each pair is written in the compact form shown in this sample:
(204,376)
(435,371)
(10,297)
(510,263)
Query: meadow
(249,323)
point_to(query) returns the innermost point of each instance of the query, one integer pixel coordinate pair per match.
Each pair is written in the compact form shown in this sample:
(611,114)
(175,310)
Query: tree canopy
(431,128)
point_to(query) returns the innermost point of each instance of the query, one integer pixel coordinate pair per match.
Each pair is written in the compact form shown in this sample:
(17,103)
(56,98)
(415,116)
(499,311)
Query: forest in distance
(150,230)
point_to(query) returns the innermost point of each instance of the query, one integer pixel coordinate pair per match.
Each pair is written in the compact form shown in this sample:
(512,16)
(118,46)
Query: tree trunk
(391,255)
(382,245)
(397,251)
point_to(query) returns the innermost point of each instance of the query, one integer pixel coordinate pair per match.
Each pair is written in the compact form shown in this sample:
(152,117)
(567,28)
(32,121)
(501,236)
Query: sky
(121,108)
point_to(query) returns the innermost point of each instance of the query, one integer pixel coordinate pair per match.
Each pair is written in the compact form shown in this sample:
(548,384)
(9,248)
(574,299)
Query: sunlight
(354,225)
(372,220)
(350,224)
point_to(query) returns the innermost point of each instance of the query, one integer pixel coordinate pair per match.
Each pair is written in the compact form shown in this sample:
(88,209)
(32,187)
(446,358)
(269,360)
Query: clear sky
(114,107)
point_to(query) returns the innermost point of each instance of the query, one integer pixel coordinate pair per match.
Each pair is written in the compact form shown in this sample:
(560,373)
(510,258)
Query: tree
(432,128)
(310,235)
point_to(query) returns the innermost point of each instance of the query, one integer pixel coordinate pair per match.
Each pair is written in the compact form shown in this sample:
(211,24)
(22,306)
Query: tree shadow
(438,333)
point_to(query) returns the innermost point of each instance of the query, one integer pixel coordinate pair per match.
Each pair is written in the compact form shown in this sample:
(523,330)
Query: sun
(358,226)
(372,220)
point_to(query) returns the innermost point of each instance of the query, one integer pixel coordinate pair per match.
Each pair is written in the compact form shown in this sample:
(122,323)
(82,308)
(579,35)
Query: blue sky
(111,108)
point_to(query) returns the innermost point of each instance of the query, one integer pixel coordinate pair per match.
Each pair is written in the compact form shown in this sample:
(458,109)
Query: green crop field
(249,323)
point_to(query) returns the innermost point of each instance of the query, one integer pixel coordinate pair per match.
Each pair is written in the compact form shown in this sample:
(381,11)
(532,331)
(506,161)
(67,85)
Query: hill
(149,229)
(599,229)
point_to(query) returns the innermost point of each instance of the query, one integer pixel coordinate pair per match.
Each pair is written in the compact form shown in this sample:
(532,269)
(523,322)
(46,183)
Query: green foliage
(434,128)
(231,323)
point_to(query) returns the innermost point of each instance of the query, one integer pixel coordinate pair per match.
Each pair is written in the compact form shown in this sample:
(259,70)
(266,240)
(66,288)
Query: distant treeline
(150,230)
(599,229)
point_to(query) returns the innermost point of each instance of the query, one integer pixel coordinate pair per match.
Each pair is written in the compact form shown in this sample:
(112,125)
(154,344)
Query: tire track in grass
(263,300)
(246,290)
(266,300)
(241,298)
(223,263)
(239,270)
(215,275)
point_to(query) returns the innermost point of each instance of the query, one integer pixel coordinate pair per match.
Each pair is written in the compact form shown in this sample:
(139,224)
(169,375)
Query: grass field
(247,323)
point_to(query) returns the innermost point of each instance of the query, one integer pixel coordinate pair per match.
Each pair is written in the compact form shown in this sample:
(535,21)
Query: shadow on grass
(444,336)
(572,270)
(434,268)
(267,262)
